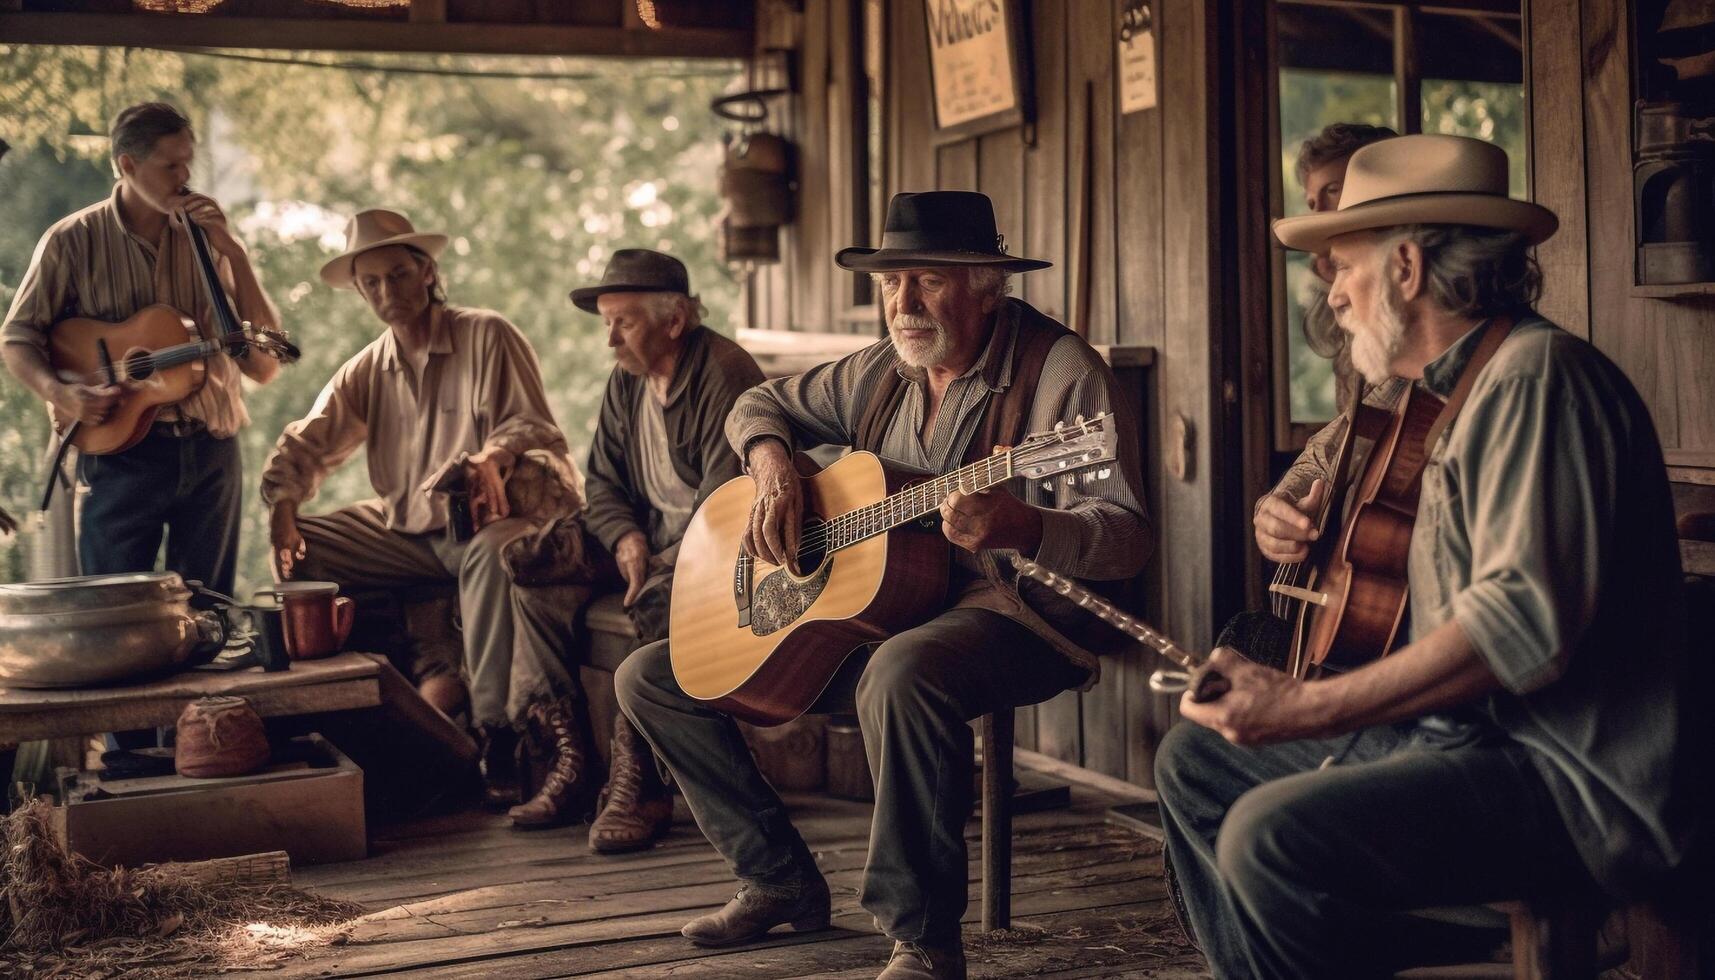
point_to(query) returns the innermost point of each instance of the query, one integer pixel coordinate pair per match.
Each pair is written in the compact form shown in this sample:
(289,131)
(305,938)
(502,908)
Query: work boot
(498,759)
(759,907)
(635,807)
(921,961)
(560,734)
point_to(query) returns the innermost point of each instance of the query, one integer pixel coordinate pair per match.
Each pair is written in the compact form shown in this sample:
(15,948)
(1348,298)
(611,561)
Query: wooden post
(997,820)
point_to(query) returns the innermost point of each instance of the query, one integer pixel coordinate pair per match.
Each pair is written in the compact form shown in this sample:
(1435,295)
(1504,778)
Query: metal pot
(101,629)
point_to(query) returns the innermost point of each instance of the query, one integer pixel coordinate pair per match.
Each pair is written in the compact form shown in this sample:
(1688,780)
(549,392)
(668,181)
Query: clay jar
(317,618)
(219,737)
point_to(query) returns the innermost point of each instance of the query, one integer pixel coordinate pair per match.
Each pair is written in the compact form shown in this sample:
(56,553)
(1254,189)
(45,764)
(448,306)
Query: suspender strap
(1494,334)
(1008,412)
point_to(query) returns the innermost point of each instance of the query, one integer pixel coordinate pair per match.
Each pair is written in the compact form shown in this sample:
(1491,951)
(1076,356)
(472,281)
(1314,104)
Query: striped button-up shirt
(89,264)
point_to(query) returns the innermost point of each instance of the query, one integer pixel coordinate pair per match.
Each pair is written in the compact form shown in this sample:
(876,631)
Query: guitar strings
(866,516)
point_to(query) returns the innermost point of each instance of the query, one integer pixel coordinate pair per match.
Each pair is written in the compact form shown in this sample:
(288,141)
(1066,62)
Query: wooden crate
(313,813)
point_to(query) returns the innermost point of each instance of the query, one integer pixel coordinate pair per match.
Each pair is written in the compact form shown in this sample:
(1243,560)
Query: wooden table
(349,680)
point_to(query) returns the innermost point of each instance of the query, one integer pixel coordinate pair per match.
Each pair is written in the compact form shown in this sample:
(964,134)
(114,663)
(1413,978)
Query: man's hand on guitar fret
(1285,528)
(991,519)
(777,517)
(1261,707)
(89,404)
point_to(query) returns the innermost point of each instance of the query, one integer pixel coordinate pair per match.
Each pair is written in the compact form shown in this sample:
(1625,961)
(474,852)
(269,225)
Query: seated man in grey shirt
(959,349)
(1534,737)
(660,447)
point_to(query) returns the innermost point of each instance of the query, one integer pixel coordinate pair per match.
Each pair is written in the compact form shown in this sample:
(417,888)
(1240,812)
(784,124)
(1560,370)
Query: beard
(1375,345)
(916,352)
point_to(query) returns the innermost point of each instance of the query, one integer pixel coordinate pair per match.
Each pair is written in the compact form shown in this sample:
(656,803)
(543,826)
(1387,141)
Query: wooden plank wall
(1581,166)
(1088,193)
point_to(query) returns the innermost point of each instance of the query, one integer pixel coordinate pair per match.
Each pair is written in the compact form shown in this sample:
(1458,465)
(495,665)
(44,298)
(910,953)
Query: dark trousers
(188,488)
(915,696)
(1292,871)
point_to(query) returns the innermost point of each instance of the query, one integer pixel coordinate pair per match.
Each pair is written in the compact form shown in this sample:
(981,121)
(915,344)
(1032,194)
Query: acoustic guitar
(152,355)
(760,642)
(1350,597)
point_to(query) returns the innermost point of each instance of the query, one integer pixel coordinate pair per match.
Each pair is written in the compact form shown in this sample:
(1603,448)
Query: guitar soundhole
(781,598)
(139,365)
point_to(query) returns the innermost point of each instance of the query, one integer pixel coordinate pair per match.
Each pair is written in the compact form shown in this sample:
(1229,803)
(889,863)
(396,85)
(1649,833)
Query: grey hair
(660,306)
(1475,272)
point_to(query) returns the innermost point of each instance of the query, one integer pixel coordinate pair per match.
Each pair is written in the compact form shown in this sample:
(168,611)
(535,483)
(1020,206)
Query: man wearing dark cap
(961,356)
(660,448)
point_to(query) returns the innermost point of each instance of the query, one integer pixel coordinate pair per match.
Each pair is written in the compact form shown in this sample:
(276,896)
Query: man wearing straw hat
(961,355)
(444,389)
(1534,737)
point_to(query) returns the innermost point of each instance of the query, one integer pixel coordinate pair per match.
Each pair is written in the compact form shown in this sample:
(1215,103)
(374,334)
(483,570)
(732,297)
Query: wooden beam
(213,31)
(428,11)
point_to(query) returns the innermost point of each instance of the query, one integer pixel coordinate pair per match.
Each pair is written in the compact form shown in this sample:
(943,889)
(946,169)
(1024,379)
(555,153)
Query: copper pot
(316,617)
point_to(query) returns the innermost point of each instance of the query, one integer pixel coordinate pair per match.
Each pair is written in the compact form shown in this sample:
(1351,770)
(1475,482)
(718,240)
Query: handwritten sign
(1137,57)
(972,61)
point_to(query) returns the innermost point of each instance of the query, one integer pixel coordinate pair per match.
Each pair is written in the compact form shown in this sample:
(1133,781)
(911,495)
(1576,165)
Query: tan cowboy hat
(376,228)
(1421,180)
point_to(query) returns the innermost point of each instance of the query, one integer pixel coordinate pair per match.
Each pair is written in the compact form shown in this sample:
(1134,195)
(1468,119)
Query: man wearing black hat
(960,357)
(660,448)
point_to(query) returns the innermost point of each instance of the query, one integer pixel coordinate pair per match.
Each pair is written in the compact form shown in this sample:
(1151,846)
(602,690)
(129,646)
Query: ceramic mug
(317,618)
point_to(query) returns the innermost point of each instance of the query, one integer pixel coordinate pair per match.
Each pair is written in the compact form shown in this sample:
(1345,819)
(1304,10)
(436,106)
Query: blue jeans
(188,488)
(1292,871)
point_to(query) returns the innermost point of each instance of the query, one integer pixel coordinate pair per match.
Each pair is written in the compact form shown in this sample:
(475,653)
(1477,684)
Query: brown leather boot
(758,908)
(636,807)
(498,760)
(562,733)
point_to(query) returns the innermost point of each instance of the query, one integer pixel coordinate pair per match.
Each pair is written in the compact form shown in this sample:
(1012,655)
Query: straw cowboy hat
(377,228)
(932,228)
(1421,180)
(635,270)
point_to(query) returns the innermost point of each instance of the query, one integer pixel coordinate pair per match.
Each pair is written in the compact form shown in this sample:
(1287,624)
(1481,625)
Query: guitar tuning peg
(1059,427)
(1080,420)
(1104,473)
(1047,486)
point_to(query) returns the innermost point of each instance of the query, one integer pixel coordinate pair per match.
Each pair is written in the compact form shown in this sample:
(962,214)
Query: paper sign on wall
(971,56)
(1137,57)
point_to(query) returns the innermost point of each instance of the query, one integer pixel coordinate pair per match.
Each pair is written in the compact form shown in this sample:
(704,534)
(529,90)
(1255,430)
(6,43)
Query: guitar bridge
(741,573)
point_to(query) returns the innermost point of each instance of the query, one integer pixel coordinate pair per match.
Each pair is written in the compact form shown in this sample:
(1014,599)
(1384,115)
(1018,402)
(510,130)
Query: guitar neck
(1106,611)
(917,501)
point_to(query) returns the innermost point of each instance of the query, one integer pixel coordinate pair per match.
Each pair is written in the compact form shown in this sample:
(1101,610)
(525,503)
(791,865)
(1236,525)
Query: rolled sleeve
(1537,493)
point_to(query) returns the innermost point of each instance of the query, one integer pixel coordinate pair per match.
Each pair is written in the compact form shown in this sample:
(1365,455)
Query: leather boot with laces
(759,907)
(923,961)
(635,807)
(498,761)
(562,735)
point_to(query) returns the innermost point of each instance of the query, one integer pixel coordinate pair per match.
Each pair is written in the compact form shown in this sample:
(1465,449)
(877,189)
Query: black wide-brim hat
(931,228)
(635,270)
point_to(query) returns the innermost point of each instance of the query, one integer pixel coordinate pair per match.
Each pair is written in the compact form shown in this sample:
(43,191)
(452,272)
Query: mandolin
(760,641)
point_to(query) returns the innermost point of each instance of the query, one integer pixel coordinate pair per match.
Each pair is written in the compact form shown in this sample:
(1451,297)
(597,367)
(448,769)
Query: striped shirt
(90,265)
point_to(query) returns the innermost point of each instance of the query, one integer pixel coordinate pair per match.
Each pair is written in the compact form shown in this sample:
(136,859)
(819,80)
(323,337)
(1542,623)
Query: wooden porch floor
(466,896)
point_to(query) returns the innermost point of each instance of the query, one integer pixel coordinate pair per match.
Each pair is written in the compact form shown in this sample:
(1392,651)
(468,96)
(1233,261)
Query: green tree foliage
(537,179)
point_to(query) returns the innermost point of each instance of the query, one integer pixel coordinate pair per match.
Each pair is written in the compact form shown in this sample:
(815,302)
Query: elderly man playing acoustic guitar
(959,355)
(1534,739)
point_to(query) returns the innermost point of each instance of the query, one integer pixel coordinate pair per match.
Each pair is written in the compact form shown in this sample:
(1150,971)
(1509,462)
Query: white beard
(920,354)
(1375,345)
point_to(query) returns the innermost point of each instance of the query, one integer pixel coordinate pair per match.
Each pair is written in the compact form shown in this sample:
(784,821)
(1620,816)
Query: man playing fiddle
(106,262)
